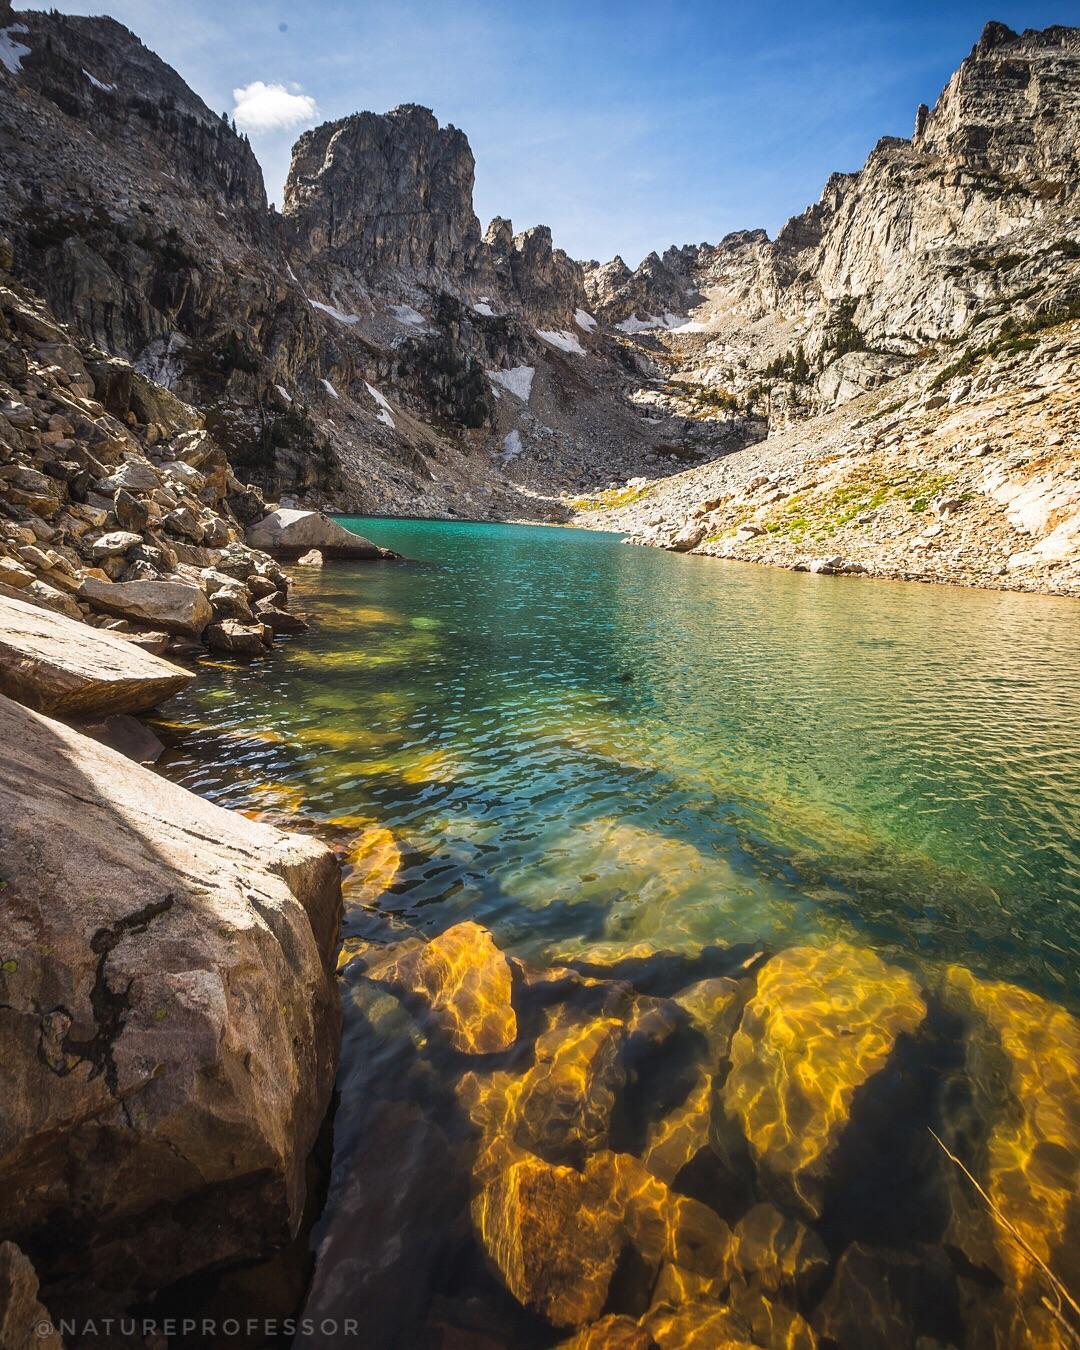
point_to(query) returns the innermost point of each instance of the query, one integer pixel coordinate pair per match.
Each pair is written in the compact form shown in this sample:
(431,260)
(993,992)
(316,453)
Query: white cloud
(271,107)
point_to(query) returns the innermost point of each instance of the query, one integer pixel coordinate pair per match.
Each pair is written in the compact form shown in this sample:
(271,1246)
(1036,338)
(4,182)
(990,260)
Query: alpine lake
(709,952)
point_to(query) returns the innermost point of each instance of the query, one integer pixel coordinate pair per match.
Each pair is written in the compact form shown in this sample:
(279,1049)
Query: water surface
(580,743)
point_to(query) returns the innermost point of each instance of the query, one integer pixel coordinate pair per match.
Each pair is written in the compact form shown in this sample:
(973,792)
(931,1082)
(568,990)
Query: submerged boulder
(553,1235)
(55,664)
(821,1023)
(465,981)
(288,533)
(385,1227)
(1012,1118)
(169,1019)
(563,1105)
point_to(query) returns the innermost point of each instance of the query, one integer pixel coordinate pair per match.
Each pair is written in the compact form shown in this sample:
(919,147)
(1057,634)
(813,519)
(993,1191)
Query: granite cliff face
(347,351)
(384,195)
(974,211)
(944,275)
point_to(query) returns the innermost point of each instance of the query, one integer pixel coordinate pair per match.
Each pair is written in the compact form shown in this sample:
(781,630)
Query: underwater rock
(781,1254)
(553,1234)
(881,1298)
(771,1323)
(611,1333)
(465,981)
(663,1225)
(820,1024)
(1017,1129)
(386,1227)
(565,1101)
(373,859)
(678,1137)
(715,1007)
(697,1326)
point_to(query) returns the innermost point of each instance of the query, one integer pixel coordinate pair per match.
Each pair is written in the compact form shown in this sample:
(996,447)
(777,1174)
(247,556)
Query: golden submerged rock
(552,1234)
(465,981)
(820,1024)
(1022,1063)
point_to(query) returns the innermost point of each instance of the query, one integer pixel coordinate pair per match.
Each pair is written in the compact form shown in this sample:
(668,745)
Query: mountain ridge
(371,347)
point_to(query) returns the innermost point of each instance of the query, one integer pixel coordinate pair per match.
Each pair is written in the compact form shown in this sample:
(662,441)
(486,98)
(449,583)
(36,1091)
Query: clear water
(581,743)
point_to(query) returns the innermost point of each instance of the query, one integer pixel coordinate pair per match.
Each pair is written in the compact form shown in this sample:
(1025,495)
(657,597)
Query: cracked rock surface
(169,1018)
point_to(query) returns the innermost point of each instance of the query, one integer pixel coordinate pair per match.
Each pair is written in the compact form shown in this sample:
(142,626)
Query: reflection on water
(643,774)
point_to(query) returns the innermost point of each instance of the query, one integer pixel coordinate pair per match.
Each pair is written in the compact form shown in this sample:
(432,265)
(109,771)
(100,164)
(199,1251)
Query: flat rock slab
(172,605)
(57,665)
(168,1013)
(288,534)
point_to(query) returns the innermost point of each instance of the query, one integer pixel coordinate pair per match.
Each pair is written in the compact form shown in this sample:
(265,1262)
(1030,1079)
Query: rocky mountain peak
(386,192)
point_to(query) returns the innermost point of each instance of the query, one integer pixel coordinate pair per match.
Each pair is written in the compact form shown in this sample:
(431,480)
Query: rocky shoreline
(952,481)
(167,987)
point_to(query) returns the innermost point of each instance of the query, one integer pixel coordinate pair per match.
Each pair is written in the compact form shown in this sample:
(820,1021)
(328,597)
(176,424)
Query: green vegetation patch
(611,499)
(818,517)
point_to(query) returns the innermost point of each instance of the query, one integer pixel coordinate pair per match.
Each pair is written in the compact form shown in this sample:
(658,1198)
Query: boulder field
(169,1018)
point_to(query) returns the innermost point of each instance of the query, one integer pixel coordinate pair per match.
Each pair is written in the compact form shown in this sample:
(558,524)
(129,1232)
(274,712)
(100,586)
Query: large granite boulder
(169,1020)
(287,534)
(176,606)
(821,1023)
(56,665)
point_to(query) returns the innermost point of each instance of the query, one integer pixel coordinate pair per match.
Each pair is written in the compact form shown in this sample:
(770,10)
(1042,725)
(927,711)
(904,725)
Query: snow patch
(584,320)
(692,326)
(329,388)
(512,446)
(518,380)
(485,309)
(566,342)
(12,52)
(335,313)
(283,392)
(406,314)
(384,406)
(99,84)
(635,325)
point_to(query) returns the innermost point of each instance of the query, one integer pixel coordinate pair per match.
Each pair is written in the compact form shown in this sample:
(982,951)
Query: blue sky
(624,126)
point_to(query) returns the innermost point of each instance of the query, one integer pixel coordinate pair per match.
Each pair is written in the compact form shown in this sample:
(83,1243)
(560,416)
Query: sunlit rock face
(465,981)
(1014,1122)
(820,1024)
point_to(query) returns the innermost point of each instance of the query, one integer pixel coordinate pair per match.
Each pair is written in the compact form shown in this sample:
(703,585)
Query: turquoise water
(581,743)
